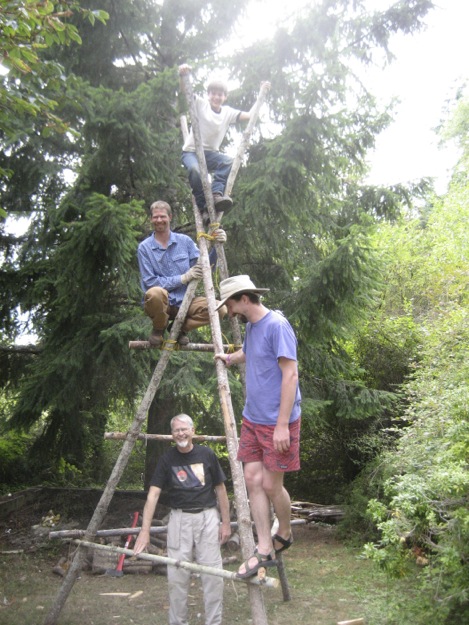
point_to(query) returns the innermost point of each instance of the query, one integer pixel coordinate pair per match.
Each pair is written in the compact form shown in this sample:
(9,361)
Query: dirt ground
(328,581)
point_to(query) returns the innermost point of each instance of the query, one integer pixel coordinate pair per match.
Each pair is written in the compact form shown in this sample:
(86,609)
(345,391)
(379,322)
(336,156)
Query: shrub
(423,514)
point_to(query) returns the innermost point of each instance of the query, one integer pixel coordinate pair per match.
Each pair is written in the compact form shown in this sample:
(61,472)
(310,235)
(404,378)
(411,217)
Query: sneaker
(156,338)
(183,339)
(223,203)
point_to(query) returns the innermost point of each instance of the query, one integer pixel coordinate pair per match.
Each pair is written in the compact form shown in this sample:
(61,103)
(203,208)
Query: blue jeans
(218,164)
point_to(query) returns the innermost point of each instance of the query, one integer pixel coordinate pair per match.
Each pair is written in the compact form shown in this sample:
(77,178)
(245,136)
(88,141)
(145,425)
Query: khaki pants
(199,533)
(156,306)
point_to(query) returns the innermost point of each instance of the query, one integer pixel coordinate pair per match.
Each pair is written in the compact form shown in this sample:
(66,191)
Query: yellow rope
(170,345)
(231,347)
(209,235)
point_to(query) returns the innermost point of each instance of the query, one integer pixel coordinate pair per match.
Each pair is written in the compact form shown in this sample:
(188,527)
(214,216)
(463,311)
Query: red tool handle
(120,564)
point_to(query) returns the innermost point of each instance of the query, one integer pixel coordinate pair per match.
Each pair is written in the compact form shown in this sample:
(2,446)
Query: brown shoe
(183,339)
(156,338)
(223,203)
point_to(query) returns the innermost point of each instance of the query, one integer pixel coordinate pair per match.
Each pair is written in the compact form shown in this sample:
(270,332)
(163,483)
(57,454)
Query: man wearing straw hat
(270,431)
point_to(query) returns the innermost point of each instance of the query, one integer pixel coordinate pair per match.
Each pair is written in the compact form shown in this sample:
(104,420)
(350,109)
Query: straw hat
(235,285)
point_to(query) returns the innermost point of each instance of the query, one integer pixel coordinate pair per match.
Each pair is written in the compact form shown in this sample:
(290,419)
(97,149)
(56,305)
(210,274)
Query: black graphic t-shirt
(189,478)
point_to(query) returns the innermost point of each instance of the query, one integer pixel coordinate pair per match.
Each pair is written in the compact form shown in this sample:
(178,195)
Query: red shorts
(256,445)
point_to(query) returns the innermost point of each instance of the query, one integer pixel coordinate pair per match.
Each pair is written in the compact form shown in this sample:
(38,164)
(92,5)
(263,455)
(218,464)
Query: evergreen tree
(301,222)
(423,477)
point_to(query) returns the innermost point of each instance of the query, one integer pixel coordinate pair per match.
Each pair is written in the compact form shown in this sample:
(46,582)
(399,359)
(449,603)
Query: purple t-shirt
(266,341)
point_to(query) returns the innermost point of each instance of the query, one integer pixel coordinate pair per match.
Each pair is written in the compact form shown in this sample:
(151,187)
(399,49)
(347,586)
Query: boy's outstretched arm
(246,115)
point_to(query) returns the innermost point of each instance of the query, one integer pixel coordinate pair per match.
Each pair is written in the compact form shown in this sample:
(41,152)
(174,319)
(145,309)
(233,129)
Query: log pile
(302,513)
(316,512)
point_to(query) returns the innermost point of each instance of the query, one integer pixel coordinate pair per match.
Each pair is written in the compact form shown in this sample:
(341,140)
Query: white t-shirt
(213,126)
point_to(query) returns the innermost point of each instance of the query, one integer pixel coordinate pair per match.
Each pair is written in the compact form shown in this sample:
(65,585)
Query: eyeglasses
(181,430)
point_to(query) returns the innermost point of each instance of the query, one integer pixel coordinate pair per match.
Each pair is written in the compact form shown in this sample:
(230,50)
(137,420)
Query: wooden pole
(265,86)
(258,611)
(117,531)
(121,436)
(190,347)
(222,264)
(103,504)
(269,582)
(221,257)
(124,531)
(282,575)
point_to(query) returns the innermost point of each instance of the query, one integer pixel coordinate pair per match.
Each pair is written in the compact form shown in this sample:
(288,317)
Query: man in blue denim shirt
(168,262)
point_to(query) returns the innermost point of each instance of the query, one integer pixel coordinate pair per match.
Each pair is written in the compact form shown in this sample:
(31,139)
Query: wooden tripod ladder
(256,598)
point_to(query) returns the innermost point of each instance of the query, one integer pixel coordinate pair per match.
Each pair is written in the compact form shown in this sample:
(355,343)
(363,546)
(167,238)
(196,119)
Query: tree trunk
(159,417)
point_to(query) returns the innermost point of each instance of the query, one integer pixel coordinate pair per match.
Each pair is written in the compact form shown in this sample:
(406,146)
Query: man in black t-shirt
(195,481)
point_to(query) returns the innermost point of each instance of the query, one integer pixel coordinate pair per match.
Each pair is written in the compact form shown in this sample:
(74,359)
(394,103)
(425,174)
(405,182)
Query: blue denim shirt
(164,267)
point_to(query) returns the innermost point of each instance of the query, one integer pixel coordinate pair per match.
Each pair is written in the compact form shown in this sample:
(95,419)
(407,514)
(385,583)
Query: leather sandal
(263,561)
(285,542)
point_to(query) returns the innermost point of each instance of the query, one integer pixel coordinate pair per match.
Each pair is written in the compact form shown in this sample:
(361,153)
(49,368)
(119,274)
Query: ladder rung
(190,347)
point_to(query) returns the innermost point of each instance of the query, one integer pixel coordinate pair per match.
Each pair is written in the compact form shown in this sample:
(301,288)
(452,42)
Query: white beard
(182,444)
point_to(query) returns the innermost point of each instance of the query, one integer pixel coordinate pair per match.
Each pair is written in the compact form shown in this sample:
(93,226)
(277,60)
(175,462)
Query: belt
(196,510)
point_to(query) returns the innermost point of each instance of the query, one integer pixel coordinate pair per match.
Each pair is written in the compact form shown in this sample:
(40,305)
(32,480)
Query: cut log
(232,543)
(137,568)
(317,511)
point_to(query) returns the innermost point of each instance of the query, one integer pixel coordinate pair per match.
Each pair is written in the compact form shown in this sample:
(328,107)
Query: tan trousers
(156,306)
(196,535)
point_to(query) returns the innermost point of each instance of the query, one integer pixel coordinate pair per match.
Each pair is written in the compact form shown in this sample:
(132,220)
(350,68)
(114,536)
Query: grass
(329,582)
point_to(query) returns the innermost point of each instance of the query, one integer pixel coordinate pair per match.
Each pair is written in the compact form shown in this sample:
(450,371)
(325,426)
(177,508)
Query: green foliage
(84,287)
(427,264)
(302,224)
(13,452)
(386,348)
(118,420)
(425,499)
(421,507)
(26,30)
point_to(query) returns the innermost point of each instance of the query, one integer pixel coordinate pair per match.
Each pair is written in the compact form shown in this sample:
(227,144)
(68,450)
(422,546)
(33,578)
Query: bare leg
(278,495)
(260,484)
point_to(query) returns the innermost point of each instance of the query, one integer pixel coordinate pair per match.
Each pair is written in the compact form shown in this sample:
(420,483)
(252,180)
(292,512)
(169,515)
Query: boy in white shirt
(214,120)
